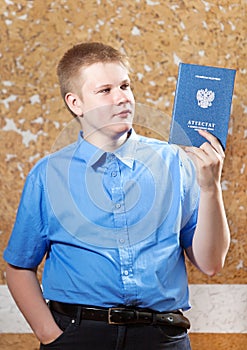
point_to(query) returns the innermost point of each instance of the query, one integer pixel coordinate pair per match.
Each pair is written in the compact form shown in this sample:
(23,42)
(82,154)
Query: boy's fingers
(213,141)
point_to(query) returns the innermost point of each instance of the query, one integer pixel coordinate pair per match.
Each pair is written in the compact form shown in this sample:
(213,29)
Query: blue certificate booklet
(202,101)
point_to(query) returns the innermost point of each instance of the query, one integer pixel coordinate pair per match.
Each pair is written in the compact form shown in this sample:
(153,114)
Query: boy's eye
(125,86)
(105,90)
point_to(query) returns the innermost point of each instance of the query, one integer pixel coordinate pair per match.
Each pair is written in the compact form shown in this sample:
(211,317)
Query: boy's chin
(121,128)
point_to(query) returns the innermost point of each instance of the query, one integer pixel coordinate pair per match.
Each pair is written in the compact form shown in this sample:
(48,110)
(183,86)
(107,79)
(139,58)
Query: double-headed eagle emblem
(205,98)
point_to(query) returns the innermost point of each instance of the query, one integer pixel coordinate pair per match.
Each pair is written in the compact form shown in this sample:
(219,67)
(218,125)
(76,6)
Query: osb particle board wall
(156,35)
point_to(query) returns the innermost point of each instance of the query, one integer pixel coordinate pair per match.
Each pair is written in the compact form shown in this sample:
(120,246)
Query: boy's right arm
(25,289)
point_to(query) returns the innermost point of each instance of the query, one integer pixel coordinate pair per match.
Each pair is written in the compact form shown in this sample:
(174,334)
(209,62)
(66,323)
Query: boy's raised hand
(208,160)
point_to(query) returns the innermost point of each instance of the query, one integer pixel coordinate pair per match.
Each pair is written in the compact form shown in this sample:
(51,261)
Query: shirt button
(118,205)
(121,240)
(126,272)
(114,174)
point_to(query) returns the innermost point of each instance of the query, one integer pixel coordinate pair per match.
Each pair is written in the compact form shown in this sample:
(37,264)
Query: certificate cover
(202,101)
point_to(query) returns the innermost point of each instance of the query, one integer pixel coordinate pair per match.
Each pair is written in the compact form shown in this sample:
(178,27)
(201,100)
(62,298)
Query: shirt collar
(126,153)
(92,154)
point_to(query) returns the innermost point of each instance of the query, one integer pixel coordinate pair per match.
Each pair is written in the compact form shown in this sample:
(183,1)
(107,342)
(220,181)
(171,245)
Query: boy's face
(105,100)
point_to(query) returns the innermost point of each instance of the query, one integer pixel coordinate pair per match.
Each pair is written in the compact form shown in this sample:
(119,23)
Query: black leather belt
(121,315)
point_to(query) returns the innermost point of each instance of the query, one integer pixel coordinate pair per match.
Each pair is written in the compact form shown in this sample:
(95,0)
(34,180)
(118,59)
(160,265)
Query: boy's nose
(120,96)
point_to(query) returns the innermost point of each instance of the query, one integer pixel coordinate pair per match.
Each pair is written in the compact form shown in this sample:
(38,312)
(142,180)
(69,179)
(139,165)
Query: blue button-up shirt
(113,226)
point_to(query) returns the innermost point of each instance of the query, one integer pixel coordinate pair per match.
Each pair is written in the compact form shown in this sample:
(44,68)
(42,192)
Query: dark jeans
(94,335)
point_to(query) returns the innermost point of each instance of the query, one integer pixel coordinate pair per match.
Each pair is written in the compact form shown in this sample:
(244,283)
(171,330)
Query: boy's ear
(74,103)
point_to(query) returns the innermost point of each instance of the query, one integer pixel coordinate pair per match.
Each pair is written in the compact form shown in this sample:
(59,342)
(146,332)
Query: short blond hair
(84,55)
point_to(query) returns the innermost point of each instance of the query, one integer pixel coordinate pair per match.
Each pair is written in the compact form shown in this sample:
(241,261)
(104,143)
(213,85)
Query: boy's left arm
(212,236)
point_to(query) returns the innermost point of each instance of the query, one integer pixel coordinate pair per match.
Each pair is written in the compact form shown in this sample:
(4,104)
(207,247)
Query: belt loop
(78,316)
(137,315)
(154,321)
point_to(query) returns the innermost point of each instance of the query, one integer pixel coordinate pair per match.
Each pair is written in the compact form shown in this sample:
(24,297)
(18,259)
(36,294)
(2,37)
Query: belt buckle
(110,315)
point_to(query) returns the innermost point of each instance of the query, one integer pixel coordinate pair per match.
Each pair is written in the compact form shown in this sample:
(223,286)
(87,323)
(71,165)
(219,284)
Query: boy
(114,214)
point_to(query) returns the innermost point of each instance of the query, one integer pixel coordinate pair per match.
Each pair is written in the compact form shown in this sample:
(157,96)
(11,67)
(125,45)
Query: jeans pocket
(66,324)
(173,334)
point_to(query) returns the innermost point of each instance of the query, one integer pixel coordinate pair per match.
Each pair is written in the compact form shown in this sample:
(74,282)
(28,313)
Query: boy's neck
(107,144)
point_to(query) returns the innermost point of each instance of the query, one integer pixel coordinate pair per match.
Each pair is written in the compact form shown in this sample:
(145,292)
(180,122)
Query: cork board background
(156,35)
